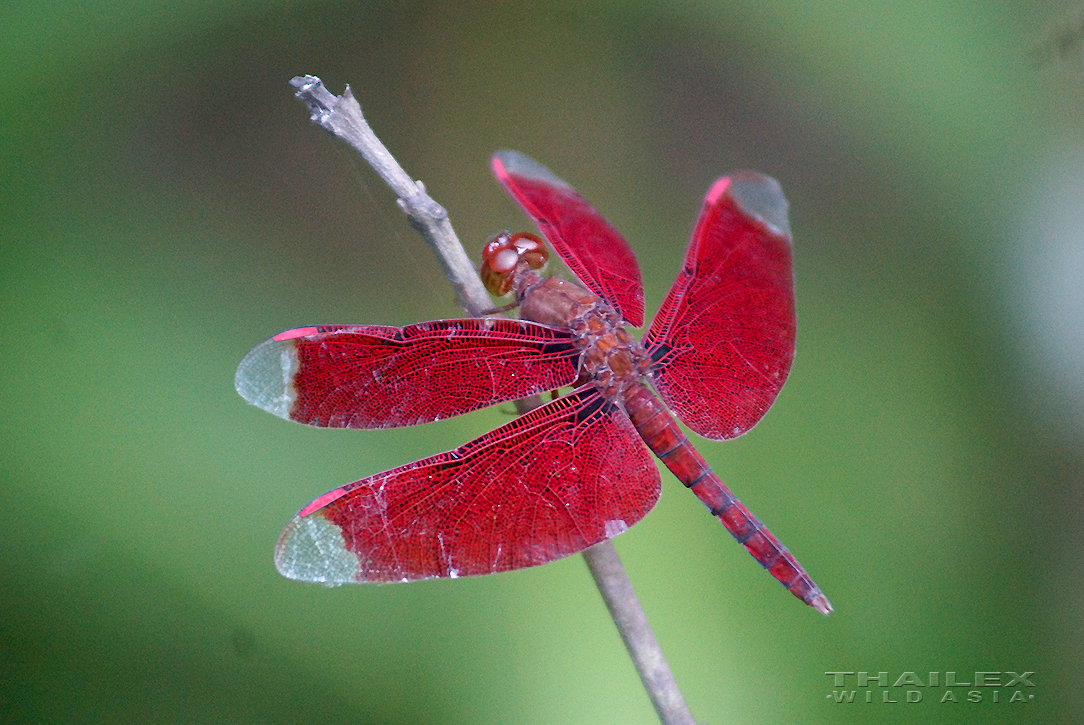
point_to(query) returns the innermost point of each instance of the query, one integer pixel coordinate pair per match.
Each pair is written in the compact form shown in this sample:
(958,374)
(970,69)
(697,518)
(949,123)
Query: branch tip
(320,101)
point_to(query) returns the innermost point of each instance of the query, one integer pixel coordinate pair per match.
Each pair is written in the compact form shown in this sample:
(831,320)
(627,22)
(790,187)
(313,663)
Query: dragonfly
(577,470)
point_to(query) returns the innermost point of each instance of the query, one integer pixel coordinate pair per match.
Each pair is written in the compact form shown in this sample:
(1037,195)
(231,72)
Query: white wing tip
(312,549)
(265,377)
(761,197)
(507,163)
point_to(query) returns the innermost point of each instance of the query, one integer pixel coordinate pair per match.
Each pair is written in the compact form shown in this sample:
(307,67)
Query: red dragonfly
(577,470)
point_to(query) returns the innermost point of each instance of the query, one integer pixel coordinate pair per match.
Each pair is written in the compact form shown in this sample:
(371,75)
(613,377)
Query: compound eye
(532,250)
(502,255)
(499,242)
(504,261)
(499,258)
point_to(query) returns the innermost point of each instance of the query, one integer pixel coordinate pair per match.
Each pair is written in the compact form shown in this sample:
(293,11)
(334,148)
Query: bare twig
(613,583)
(341,115)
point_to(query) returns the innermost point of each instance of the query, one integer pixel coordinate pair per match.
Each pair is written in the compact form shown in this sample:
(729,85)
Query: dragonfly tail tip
(821,604)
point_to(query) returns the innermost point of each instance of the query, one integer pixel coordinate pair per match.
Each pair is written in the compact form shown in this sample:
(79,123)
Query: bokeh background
(165,204)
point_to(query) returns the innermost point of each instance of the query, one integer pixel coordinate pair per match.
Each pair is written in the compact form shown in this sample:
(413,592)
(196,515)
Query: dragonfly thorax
(614,360)
(611,357)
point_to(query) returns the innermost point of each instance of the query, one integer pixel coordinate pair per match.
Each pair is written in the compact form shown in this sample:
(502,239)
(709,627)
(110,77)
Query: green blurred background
(165,204)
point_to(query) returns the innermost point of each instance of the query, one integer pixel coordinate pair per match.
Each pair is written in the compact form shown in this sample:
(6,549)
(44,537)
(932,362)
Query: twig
(613,583)
(341,116)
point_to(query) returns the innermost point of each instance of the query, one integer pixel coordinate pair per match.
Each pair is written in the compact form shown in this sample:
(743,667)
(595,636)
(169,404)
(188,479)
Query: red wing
(723,341)
(594,251)
(547,485)
(370,376)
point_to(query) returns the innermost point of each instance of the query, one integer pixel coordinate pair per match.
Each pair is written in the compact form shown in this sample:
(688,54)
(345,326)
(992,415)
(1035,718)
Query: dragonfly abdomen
(663,436)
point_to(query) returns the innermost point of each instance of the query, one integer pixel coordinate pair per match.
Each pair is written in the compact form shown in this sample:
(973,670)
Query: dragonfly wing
(370,376)
(549,484)
(595,252)
(723,341)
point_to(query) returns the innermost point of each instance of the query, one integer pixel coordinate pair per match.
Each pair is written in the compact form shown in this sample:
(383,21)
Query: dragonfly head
(504,255)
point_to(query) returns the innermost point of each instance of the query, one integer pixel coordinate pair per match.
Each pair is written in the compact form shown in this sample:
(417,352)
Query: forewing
(370,376)
(723,341)
(547,485)
(595,252)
